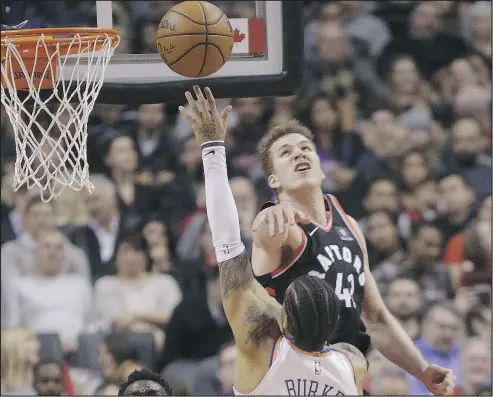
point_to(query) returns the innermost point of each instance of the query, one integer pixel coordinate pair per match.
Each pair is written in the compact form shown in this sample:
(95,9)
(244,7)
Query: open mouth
(303,166)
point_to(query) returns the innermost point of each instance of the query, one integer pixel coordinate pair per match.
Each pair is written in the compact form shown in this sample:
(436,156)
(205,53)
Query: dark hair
(312,309)
(306,115)
(145,374)
(134,238)
(292,127)
(121,347)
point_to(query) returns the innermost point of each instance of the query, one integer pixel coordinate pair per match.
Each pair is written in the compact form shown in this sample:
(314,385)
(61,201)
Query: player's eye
(284,153)
(305,148)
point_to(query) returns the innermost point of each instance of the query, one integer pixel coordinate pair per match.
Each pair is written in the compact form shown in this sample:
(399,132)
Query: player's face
(296,164)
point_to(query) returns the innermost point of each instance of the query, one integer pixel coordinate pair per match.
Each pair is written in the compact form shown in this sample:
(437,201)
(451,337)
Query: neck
(310,202)
(123,177)
(458,217)
(105,222)
(403,99)
(132,277)
(146,133)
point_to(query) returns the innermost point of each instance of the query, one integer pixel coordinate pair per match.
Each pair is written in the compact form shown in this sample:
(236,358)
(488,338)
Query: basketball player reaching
(281,350)
(308,233)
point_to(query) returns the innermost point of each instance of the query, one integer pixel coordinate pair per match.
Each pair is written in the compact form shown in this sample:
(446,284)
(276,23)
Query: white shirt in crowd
(114,297)
(61,304)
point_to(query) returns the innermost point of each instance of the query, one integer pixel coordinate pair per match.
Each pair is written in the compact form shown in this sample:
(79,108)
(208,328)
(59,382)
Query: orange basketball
(195,38)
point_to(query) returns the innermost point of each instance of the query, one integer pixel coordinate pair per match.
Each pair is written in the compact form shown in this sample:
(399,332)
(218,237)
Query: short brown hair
(291,127)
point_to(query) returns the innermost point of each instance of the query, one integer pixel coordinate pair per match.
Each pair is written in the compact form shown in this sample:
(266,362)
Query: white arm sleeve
(221,207)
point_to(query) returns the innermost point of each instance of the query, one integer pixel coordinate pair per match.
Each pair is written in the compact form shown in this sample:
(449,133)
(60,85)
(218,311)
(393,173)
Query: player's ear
(273,182)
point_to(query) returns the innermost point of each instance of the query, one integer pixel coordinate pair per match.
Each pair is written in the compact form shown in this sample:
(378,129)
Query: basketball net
(51,131)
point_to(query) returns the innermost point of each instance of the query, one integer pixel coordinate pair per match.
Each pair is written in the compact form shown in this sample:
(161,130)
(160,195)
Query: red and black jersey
(332,252)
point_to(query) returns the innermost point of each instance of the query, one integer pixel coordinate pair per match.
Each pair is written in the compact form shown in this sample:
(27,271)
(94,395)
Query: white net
(51,131)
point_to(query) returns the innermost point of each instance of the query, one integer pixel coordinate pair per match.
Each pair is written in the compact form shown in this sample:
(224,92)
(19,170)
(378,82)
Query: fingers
(279,213)
(184,112)
(193,105)
(206,115)
(225,115)
(212,102)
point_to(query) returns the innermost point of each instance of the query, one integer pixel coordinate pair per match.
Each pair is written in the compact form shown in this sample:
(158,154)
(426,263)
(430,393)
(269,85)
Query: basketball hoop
(51,154)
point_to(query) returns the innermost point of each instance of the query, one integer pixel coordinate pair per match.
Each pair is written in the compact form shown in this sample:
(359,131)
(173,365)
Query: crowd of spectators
(398,96)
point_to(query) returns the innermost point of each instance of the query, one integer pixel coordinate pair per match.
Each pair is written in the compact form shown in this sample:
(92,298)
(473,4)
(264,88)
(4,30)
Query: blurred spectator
(389,383)
(455,206)
(136,195)
(18,256)
(408,93)
(475,366)
(421,264)
(12,209)
(474,102)
(106,222)
(405,302)
(49,378)
(135,300)
(439,342)
(196,331)
(243,138)
(380,196)
(118,358)
(50,300)
(467,156)
(454,256)
(219,383)
(20,353)
(382,240)
(156,236)
(478,28)
(155,146)
(432,49)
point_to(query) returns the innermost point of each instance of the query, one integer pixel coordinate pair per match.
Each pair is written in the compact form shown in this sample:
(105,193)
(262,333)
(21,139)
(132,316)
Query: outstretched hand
(278,218)
(206,122)
(440,381)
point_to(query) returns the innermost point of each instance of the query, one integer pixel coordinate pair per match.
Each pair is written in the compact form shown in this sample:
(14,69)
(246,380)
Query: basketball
(195,38)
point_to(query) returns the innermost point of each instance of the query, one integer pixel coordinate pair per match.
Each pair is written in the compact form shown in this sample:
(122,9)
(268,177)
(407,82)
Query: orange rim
(52,37)
(38,47)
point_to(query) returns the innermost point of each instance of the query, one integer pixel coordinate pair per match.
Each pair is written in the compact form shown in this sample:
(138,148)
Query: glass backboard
(266,59)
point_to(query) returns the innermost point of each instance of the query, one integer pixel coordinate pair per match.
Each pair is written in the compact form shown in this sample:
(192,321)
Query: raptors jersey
(331,252)
(294,372)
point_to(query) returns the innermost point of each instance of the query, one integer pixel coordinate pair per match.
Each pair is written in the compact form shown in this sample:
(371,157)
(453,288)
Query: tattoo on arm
(235,273)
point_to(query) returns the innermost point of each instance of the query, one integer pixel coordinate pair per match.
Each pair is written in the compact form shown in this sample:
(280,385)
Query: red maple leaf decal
(238,37)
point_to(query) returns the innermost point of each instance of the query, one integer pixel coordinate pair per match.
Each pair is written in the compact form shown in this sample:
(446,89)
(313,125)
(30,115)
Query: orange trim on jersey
(294,257)
(348,223)
(275,350)
(328,225)
(324,353)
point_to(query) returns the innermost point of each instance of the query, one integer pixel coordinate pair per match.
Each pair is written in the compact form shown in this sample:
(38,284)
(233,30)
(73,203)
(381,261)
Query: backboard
(266,60)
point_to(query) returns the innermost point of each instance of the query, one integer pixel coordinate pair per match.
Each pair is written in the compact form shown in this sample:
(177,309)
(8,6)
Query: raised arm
(251,312)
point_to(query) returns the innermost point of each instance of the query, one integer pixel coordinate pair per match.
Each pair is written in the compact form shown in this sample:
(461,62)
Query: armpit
(260,325)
